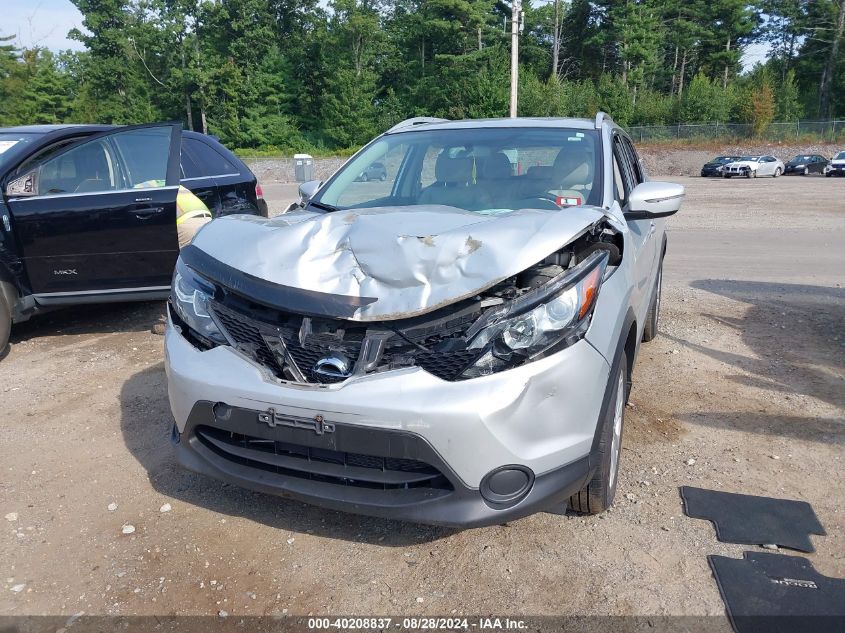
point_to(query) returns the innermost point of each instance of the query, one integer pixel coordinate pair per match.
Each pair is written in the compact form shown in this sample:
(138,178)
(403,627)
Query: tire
(651,319)
(5,324)
(750,173)
(828,174)
(777,173)
(383,177)
(727,175)
(597,495)
(364,178)
(806,172)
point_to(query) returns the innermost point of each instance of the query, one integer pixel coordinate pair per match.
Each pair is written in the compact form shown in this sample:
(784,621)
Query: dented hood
(388,263)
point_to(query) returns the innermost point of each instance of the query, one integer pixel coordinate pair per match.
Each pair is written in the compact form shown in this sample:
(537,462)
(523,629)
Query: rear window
(200,160)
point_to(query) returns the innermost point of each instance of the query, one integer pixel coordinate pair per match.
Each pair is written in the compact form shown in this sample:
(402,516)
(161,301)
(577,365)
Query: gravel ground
(744,390)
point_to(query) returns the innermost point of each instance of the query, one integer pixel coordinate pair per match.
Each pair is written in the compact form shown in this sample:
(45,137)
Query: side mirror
(307,191)
(26,185)
(651,200)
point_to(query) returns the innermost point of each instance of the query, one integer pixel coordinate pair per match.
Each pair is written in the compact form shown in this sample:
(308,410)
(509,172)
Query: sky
(47,22)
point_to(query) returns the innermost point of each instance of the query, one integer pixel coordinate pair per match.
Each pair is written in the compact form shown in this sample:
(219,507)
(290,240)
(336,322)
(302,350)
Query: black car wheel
(5,324)
(364,178)
(383,177)
(597,495)
(806,171)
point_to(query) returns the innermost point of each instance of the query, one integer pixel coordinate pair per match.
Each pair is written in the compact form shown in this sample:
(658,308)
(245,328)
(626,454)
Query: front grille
(431,351)
(251,337)
(319,464)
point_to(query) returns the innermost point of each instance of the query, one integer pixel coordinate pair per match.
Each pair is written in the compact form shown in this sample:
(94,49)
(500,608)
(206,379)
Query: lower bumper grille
(319,464)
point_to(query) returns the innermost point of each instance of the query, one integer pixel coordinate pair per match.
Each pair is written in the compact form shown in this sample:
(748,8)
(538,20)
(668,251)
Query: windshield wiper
(324,207)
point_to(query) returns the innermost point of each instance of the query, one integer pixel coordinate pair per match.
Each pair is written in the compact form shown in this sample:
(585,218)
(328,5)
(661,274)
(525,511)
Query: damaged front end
(526,316)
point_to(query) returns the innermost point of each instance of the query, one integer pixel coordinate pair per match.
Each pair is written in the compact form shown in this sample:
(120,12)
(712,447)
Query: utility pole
(516,26)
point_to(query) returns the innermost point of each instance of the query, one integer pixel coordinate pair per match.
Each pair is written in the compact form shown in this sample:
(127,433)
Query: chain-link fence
(830,131)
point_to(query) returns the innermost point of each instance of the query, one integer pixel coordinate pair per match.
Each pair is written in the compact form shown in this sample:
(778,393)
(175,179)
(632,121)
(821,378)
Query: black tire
(383,177)
(750,173)
(364,178)
(651,319)
(5,324)
(597,495)
(727,175)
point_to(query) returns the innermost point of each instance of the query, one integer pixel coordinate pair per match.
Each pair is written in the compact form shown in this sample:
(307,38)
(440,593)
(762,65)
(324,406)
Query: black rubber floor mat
(774,593)
(750,520)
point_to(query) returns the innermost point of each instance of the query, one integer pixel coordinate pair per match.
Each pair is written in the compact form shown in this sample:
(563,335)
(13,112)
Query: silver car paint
(542,414)
(410,261)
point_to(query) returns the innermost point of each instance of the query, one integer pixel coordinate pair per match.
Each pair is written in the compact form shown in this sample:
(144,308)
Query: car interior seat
(452,186)
(495,177)
(573,169)
(93,168)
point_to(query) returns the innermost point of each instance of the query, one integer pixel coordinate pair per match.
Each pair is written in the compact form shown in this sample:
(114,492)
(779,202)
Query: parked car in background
(88,212)
(454,349)
(805,164)
(714,167)
(753,166)
(837,165)
(376,171)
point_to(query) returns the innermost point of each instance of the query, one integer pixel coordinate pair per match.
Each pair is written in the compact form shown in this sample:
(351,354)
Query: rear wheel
(597,495)
(650,329)
(383,177)
(364,178)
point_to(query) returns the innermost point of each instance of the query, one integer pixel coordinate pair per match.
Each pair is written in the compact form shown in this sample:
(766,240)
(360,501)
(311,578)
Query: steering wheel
(549,201)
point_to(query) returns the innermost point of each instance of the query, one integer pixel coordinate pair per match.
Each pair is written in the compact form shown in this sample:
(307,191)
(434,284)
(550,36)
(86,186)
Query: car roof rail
(417,120)
(601,117)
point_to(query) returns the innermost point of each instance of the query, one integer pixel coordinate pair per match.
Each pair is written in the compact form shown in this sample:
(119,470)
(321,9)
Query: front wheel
(597,495)
(750,173)
(777,172)
(364,178)
(5,324)
(383,177)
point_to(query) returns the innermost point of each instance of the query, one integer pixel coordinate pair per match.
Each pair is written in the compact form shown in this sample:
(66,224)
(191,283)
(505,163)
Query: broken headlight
(189,296)
(546,319)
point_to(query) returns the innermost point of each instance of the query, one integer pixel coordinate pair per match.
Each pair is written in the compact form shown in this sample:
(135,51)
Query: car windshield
(13,145)
(753,159)
(840,156)
(486,170)
(801,159)
(724,159)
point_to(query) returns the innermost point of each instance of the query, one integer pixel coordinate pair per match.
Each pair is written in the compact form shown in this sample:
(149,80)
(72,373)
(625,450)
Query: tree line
(295,74)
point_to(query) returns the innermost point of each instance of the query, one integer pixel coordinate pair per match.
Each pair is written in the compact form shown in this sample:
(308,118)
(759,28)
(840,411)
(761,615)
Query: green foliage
(288,75)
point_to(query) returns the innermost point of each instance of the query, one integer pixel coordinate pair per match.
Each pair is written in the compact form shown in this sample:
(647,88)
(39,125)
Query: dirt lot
(743,391)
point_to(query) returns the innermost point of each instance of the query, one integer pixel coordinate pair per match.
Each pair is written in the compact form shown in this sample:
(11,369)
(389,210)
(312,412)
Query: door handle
(143,214)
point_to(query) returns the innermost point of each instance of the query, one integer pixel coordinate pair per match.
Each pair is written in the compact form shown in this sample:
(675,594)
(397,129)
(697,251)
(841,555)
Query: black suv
(88,212)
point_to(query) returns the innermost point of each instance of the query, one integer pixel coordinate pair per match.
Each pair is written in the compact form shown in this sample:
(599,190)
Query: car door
(235,191)
(197,177)
(627,175)
(99,216)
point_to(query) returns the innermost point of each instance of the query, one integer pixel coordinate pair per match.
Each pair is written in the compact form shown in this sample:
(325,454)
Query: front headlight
(189,296)
(541,321)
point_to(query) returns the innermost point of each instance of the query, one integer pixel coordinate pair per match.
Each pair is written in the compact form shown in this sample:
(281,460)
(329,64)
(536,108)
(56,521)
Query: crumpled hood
(400,261)
(744,163)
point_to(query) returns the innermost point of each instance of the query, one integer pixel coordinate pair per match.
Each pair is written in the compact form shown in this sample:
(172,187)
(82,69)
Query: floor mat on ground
(774,593)
(750,520)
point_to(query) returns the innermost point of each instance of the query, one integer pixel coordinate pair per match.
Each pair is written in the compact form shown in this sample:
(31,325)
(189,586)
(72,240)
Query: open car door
(99,217)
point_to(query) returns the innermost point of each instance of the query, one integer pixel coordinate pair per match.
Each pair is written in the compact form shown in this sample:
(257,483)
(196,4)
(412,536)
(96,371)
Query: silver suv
(452,345)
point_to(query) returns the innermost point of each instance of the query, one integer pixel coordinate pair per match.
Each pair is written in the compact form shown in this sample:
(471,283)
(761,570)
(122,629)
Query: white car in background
(837,165)
(753,166)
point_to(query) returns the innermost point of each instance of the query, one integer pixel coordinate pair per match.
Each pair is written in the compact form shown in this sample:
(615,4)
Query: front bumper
(540,417)
(836,170)
(376,472)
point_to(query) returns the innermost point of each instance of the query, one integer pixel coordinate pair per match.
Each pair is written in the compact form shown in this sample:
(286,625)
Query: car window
(207,160)
(475,168)
(376,179)
(13,145)
(87,168)
(633,162)
(143,154)
(622,178)
(188,164)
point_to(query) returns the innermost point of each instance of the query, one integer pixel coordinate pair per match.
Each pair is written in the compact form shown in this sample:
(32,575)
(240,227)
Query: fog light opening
(507,485)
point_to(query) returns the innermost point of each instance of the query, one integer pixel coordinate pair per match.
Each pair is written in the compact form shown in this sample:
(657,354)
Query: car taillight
(259,192)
